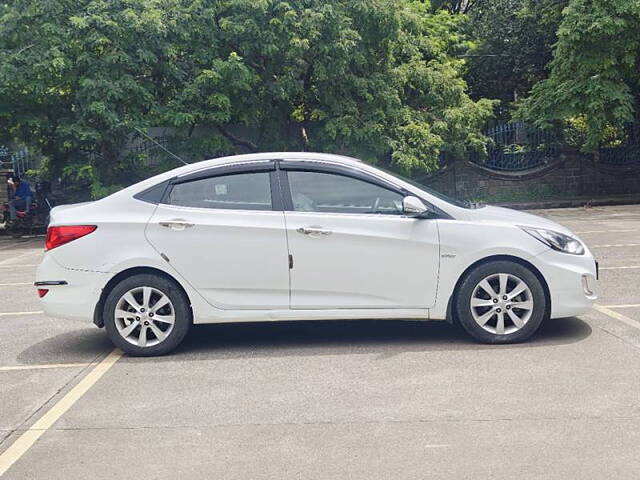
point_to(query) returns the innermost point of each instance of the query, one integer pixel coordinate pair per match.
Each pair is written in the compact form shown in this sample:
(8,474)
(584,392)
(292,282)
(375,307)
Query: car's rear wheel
(501,302)
(146,315)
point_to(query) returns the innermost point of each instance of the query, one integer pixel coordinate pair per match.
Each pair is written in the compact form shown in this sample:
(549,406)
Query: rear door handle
(313,231)
(176,224)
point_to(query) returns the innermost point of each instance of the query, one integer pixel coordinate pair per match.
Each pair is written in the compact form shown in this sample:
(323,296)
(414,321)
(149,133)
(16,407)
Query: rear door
(223,230)
(351,244)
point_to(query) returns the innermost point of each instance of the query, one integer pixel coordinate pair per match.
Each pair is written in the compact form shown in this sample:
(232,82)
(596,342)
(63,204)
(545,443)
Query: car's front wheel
(501,302)
(146,315)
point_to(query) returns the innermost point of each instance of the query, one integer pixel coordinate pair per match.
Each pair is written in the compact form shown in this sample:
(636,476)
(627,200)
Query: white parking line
(17,265)
(12,454)
(615,245)
(9,314)
(18,244)
(630,305)
(7,262)
(605,231)
(13,368)
(593,218)
(622,214)
(617,316)
(627,267)
(16,284)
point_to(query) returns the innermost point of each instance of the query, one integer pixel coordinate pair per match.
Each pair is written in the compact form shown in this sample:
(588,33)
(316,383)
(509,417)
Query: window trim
(268,166)
(279,182)
(228,169)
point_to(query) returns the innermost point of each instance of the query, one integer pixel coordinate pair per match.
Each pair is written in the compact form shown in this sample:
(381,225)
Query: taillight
(57,236)
(42,292)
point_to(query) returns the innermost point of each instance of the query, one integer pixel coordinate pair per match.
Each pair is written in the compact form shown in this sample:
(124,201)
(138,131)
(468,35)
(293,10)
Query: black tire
(462,302)
(181,312)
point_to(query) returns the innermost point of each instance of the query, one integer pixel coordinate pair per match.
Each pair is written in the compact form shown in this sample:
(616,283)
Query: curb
(572,203)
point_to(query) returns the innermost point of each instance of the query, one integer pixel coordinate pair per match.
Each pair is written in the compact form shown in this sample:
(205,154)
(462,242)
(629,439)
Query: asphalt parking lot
(329,400)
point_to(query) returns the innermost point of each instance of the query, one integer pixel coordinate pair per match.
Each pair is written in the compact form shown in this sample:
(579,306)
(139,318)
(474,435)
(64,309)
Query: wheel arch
(494,258)
(98,319)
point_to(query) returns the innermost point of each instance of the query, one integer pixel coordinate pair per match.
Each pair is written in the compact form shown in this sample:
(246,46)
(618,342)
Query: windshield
(430,191)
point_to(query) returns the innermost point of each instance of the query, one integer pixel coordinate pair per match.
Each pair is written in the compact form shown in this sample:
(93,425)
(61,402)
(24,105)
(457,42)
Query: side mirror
(413,207)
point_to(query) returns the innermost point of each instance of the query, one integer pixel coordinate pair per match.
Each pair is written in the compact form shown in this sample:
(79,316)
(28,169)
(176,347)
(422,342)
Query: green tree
(372,78)
(380,79)
(78,76)
(515,39)
(595,72)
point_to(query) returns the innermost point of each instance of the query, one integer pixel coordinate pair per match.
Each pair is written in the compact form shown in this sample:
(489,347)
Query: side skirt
(285,315)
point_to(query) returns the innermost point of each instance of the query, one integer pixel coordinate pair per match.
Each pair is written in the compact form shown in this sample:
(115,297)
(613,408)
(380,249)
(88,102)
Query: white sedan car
(303,236)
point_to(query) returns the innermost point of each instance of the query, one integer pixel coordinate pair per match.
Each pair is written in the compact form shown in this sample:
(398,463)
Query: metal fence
(620,155)
(518,146)
(19,160)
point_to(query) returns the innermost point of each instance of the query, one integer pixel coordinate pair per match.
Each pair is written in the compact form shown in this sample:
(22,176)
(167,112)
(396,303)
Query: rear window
(241,191)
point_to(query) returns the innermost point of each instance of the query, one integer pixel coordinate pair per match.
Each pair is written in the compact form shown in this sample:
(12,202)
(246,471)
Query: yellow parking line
(25,441)
(618,316)
(9,314)
(13,368)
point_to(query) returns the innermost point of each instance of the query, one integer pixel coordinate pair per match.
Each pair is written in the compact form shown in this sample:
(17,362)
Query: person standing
(21,197)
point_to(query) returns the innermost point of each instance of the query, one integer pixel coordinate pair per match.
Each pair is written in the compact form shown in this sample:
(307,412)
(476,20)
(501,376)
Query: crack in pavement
(572,418)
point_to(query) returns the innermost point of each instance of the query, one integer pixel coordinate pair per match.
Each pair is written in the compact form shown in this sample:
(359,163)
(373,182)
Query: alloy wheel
(501,303)
(144,316)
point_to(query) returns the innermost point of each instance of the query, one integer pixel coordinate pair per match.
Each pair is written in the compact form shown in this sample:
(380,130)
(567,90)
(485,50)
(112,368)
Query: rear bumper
(77,298)
(571,280)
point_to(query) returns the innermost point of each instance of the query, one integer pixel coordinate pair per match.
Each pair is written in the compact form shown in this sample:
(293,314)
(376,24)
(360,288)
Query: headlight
(556,240)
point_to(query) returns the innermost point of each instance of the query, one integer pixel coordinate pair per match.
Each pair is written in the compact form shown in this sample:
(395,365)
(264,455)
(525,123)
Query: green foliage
(379,79)
(457,6)
(515,39)
(78,76)
(595,70)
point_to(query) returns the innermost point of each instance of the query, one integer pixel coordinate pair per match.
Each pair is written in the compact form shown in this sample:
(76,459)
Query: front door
(221,233)
(353,247)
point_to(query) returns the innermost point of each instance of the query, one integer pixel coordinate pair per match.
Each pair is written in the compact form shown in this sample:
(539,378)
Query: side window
(240,191)
(328,192)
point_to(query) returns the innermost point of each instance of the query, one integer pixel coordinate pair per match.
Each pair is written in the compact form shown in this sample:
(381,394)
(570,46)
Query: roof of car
(279,155)
(256,157)
(250,157)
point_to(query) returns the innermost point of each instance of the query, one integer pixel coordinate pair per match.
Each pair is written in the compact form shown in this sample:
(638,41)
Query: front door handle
(176,224)
(313,230)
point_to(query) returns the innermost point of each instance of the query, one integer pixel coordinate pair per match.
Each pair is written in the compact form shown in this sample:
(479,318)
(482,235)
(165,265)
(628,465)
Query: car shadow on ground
(302,338)
(387,337)
(77,346)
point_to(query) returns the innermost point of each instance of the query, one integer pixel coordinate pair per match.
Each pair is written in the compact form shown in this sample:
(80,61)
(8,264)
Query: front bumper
(571,279)
(75,299)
